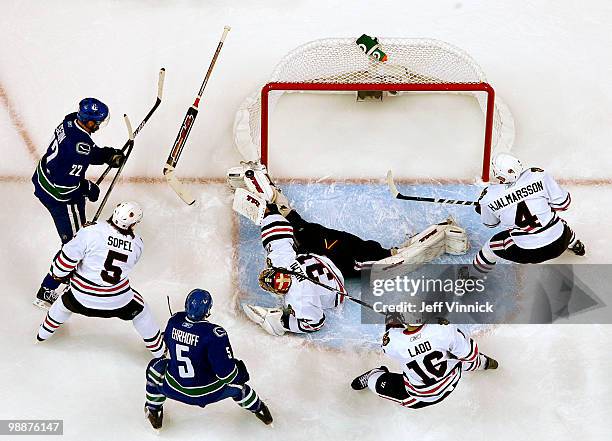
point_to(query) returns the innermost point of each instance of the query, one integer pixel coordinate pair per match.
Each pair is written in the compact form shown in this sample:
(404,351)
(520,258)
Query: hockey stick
(396,194)
(181,137)
(130,146)
(160,87)
(169,307)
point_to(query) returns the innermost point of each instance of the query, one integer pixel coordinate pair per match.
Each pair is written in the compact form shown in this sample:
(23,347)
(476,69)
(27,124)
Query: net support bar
(404,87)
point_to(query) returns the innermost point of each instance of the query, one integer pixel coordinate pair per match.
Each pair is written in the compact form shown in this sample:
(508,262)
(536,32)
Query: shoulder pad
(536,170)
(219,331)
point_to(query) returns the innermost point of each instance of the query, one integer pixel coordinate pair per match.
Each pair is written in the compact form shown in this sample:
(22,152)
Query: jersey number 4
(111,272)
(524,219)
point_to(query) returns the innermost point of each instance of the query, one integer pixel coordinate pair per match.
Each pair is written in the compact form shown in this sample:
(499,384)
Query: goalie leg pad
(456,240)
(422,248)
(270,319)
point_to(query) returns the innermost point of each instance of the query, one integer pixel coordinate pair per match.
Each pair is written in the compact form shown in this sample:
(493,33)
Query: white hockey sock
(372,381)
(485,260)
(149,331)
(57,315)
(476,365)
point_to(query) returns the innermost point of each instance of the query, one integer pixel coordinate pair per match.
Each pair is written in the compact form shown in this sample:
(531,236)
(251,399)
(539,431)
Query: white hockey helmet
(126,214)
(506,168)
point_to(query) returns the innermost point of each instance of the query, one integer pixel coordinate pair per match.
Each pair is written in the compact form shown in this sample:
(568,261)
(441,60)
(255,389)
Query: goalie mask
(274,280)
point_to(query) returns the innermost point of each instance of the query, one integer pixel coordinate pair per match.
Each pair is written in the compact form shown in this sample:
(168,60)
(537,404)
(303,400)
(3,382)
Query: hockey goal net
(339,65)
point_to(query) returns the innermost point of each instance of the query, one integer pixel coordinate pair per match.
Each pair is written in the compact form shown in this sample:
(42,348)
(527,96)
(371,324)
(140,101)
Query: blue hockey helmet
(92,109)
(198,304)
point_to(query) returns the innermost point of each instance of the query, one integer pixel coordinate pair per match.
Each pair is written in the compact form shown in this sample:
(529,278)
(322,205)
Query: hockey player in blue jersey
(59,179)
(201,368)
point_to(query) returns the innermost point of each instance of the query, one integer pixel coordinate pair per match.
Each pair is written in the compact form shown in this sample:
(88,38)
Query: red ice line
(34,156)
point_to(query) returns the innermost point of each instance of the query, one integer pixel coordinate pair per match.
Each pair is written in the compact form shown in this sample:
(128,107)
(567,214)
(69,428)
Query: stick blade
(391,184)
(129,127)
(160,83)
(178,188)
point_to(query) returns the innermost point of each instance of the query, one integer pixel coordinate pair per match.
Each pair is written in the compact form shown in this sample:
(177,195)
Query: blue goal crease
(368,211)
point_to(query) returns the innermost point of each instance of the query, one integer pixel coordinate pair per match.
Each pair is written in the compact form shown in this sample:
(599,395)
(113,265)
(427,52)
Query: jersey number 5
(186,371)
(111,272)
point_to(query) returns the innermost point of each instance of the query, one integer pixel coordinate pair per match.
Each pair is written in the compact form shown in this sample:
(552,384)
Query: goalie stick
(181,137)
(397,195)
(160,88)
(130,146)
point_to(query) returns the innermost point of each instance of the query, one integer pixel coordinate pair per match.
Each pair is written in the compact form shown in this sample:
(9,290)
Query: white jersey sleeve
(487,216)
(277,239)
(70,255)
(559,199)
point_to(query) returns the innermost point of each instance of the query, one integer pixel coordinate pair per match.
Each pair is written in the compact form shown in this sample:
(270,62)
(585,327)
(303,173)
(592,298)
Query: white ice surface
(549,60)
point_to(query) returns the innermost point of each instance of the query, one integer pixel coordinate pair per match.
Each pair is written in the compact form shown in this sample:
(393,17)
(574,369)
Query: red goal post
(338,65)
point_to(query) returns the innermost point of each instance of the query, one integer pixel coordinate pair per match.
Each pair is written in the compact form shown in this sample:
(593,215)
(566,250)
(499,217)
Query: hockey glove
(116,158)
(90,190)
(243,374)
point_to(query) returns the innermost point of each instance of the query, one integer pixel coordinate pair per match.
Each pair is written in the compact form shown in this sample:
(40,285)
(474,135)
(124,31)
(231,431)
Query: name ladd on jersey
(185,337)
(516,196)
(419,349)
(122,244)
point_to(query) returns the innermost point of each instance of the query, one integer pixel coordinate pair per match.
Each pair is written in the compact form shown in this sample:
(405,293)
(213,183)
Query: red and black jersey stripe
(563,205)
(306,325)
(62,265)
(280,229)
(446,383)
(83,286)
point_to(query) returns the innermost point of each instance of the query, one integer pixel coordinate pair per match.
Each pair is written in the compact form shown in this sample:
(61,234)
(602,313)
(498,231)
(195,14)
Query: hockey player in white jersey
(304,302)
(433,357)
(97,263)
(525,203)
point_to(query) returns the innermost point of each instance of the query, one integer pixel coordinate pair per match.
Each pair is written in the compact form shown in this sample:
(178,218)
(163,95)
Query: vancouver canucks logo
(83,148)
(219,332)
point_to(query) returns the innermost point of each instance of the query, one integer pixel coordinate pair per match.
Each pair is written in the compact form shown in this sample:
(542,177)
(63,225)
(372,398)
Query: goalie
(307,262)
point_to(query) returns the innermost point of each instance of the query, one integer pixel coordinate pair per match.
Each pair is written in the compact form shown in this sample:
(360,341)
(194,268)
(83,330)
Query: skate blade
(41,304)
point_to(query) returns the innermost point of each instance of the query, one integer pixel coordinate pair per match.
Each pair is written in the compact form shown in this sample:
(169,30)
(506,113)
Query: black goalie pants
(344,249)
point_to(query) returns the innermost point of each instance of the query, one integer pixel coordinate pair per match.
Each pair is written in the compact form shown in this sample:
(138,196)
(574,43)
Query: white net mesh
(341,61)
